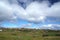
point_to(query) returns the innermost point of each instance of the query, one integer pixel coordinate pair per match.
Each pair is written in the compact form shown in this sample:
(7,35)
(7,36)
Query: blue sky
(30,14)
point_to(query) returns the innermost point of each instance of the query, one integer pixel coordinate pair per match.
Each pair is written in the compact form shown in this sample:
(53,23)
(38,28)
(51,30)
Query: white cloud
(25,25)
(34,12)
(51,26)
(54,10)
(6,11)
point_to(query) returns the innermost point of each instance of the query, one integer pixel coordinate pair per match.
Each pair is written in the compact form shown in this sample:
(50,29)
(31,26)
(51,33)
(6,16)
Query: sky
(38,14)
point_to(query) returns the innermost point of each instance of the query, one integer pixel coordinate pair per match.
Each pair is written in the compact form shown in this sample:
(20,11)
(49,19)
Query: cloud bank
(34,12)
(29,10)
(50,26)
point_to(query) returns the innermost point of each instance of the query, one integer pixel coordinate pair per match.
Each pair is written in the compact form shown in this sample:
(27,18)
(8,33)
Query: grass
(28,34)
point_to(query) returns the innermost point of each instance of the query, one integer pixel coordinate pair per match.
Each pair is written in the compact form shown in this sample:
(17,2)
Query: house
(0,30)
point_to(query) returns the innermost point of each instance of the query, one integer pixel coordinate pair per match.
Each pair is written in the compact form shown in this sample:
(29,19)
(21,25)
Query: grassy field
(29,34)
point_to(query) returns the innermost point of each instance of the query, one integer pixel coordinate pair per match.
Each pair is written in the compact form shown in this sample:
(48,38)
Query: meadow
(29,34)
